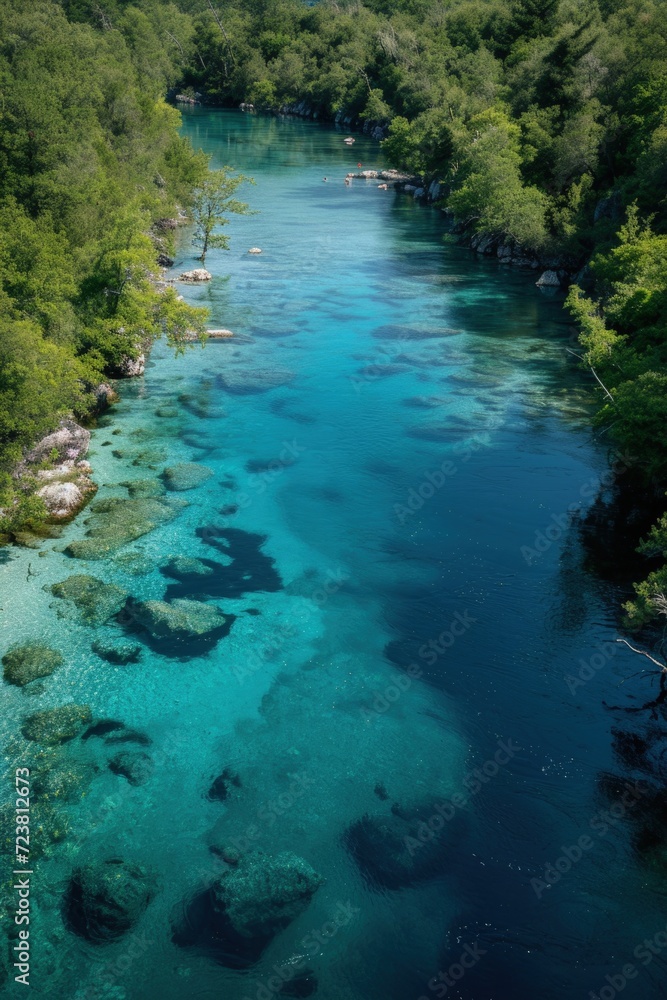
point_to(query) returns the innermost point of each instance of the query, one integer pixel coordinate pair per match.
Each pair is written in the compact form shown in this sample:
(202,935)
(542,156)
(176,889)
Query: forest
(544,121)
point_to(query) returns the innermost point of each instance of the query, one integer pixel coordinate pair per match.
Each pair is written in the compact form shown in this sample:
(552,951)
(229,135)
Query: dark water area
(411,690)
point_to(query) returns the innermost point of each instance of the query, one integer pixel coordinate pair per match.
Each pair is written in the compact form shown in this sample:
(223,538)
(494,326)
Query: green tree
(489,192)
(212,200)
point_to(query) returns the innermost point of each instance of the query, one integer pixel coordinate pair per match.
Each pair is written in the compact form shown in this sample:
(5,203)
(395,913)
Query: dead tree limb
(595,374)
(224,33)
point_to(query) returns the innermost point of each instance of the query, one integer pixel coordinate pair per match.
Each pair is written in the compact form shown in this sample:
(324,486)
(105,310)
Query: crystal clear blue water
(398,440)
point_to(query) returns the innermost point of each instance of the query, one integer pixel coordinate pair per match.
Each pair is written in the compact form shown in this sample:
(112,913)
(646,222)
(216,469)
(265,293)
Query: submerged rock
(23,664)
(135,765)
(150,457)
(64,780)
(399,849)
(119,653)
(253,380)
(186,476)
(114,731)
(180,619)
(105,899)
(245,568)
(187,566)
(409,333)
(251,902)
(117,522)
(102,728)
(95,601)
(220,334)
(135,563)
(142,488)
(263,894)
(223,785)
(56,725)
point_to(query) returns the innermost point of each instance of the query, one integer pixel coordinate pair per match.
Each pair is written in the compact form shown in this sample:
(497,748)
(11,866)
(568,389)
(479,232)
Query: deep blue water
(401,425)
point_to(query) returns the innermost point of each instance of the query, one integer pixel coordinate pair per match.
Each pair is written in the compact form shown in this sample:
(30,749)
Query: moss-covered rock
(143,488)
(135,563)
(378,845)
(56,725)
(116,522)
(23,664)
(90,600)
(105,899)
(252,901)
(186,476)
(151,458)
(180,619)
(119,653)
(187,566)
(263,894)
(62,780)
(253,380)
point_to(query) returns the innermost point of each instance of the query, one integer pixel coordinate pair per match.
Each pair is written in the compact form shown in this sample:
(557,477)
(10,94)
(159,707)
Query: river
(400,456)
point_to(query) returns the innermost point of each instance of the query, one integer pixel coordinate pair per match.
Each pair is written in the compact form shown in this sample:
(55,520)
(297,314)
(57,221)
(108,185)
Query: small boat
(254,250)
(349,141)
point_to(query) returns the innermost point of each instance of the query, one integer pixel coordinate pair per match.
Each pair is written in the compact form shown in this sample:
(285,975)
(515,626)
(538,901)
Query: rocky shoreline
(556,271)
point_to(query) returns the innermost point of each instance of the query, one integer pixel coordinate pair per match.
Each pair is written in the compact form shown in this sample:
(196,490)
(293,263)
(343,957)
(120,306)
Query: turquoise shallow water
(390,428)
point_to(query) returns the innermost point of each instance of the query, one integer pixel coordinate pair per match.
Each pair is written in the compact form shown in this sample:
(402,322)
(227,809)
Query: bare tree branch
(176,41)
(642,652)
(595,374)
(222,29)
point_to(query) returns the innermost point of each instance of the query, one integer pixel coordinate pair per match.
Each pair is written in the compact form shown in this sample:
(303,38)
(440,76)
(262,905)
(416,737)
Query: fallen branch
(595,374)
(643,652)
